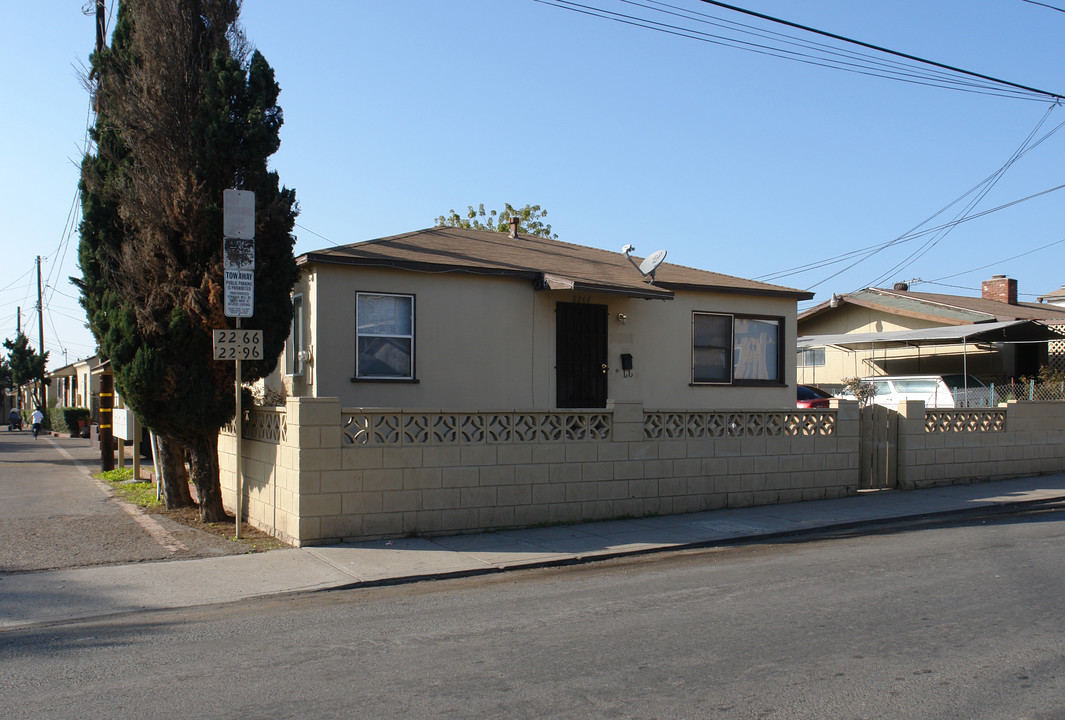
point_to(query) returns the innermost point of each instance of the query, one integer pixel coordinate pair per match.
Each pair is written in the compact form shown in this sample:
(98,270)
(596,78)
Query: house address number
(238,344)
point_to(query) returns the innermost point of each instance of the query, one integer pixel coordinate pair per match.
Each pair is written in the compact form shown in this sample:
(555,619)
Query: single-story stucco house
(463,319)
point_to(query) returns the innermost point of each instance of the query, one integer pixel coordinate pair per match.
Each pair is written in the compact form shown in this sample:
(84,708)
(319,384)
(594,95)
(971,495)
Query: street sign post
(238,268)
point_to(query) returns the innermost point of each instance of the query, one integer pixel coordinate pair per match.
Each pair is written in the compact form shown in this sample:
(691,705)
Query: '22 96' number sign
(238,344)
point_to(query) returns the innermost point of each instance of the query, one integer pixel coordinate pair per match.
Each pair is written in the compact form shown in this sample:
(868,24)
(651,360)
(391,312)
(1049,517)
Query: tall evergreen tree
(25,364)
(184,112)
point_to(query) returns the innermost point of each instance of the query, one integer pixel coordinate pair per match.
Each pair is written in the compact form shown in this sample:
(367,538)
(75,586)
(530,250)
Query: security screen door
(580,355)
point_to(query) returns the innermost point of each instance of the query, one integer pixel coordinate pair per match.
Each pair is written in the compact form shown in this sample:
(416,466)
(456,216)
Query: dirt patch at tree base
(253,539)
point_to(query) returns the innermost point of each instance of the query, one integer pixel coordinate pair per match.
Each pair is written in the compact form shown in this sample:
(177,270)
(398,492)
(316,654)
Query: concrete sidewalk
(46,597)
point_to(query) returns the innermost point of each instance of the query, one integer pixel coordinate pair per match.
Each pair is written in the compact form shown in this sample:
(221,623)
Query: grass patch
(138,493)
(117,475)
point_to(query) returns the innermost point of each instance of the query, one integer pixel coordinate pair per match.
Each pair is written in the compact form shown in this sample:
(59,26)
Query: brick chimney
(1000,288)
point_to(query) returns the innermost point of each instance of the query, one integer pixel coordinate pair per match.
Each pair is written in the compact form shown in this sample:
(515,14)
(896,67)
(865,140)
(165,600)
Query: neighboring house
(466,319)
(882,310)
(1056,359)
(75,385)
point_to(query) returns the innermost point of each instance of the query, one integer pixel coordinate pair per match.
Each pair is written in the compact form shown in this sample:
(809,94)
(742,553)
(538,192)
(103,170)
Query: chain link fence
(1028,390)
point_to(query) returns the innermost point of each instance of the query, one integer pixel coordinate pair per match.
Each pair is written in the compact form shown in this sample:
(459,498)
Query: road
(962,620)
(54,515)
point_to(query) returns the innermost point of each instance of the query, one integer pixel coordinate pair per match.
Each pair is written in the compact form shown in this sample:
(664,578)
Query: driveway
(55,515)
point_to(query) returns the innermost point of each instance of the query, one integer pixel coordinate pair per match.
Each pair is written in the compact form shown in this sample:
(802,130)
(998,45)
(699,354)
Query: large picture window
(736,349)
(384,336)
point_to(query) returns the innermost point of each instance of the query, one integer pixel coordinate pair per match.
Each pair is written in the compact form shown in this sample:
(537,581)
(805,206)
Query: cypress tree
(184,112)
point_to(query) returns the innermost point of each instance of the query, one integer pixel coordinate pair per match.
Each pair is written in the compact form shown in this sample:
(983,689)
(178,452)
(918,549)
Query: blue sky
(735,162)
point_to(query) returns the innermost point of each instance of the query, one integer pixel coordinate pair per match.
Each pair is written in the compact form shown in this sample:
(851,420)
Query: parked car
(948,391)
(812,397)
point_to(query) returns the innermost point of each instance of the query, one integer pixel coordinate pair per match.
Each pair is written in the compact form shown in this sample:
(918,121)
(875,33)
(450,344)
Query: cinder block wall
(308,480)
(270,469)
(314,486)
(1031,441)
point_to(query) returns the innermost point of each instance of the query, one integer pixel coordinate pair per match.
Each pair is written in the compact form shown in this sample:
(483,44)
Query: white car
(938,391)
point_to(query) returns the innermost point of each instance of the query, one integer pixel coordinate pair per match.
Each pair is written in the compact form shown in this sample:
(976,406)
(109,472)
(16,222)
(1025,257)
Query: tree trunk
(203,456)
(175,475)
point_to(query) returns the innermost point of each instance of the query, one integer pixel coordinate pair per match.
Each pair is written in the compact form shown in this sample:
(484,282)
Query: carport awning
(1012,331)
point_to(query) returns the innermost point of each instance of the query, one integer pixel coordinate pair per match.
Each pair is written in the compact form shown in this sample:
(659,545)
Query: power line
(907,56)
(868,252)
(995,177)
(1040,4)
(998,262)
(920,72)
(312,232)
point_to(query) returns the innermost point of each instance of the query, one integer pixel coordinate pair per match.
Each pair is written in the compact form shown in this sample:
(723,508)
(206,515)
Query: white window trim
(293,364)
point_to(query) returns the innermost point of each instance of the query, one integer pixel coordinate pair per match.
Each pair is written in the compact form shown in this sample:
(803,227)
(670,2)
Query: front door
(580,355)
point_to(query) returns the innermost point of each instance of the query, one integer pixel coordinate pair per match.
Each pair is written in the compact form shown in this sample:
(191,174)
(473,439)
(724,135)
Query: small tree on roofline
(530,220)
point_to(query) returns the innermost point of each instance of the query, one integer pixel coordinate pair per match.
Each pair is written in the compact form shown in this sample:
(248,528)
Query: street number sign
(238,344)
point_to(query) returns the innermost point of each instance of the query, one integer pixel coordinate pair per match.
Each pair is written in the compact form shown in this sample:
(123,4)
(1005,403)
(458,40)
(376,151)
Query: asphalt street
(953,619)
(54,515)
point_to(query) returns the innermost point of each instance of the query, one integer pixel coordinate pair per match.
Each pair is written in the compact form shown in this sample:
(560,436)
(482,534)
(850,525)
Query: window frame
(412,337)
(293,364)
(733,381)
(815,352)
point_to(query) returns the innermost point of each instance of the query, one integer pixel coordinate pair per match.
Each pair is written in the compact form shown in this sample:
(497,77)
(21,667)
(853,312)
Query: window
(811,357)
(711,348)
(736,350)
(293,362)
(384,336)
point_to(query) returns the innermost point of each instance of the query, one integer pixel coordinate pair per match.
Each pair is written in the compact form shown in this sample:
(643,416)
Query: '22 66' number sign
(238,344)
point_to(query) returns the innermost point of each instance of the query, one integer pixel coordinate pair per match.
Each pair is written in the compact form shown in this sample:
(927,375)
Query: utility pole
(40,333)
(101,21)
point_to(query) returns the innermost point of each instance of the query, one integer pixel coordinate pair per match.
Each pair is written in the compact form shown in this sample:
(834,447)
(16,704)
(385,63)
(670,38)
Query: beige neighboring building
(878,310)
(75,385)
(465,319)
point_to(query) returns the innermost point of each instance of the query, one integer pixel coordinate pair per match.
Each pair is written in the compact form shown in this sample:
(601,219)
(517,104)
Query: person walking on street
(38,418)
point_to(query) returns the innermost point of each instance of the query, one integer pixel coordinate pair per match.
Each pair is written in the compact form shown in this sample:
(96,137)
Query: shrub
(66,419)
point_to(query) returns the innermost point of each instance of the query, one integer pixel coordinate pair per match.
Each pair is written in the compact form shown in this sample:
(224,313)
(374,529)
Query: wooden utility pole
(40,336)
(107,402)
(101,22)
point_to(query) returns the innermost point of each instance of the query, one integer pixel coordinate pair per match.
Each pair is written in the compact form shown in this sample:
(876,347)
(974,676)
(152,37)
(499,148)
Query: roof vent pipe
(514,226)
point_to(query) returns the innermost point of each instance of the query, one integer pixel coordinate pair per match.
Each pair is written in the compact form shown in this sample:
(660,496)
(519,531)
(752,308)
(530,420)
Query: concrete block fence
(316,473)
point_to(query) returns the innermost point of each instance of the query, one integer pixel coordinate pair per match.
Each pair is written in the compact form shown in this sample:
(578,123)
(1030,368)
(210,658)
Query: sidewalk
(43,597)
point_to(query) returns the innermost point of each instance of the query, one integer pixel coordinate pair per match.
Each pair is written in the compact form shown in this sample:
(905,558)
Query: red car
(811,397)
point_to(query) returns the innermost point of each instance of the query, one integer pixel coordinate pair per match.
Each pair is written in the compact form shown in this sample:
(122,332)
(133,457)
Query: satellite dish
(649,265)
(652,261)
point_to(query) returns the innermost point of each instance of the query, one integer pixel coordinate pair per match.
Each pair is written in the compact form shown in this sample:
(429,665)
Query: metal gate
(878,450)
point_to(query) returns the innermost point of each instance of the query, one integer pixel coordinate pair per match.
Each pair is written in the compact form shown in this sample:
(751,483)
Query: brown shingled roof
(945,309)
(550,263)
(995,309)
